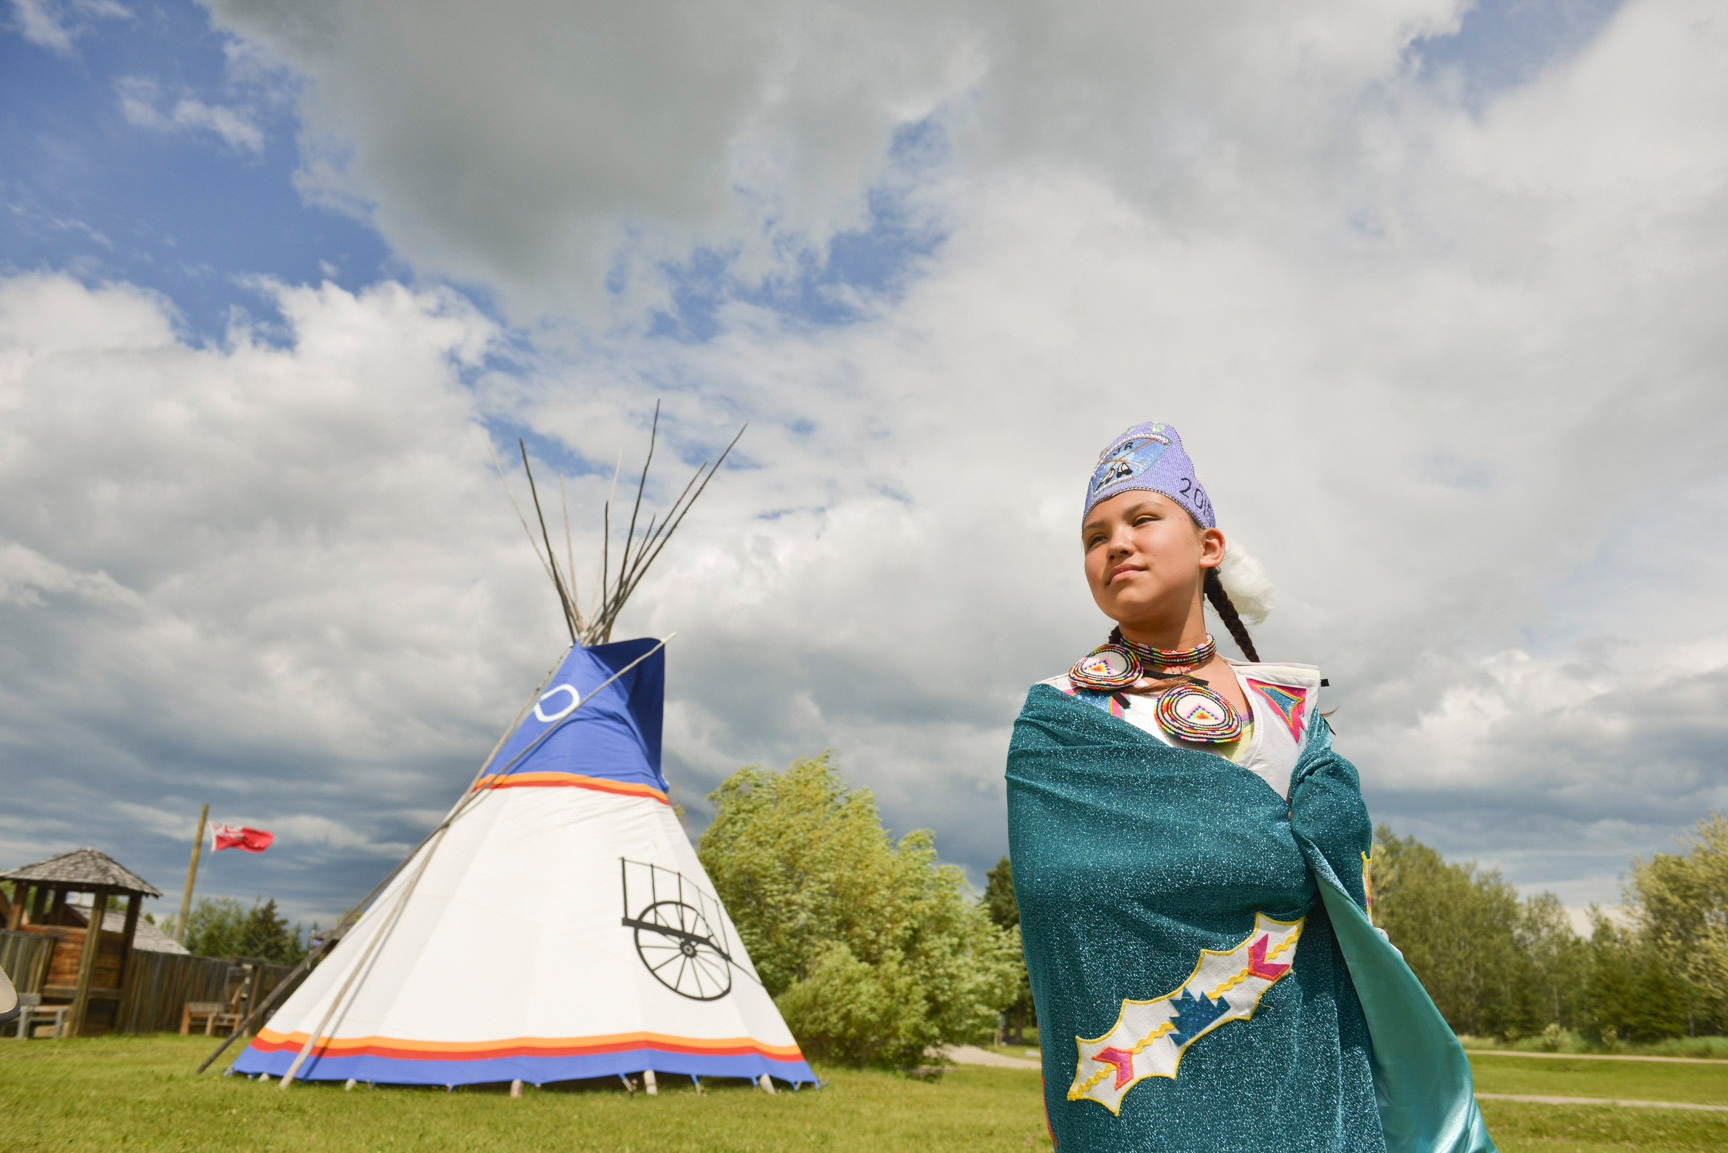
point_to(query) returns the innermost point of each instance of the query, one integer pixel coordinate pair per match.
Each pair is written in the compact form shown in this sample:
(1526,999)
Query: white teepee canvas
(559,926)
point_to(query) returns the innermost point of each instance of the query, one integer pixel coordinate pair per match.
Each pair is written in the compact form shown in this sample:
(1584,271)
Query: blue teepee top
(613,736)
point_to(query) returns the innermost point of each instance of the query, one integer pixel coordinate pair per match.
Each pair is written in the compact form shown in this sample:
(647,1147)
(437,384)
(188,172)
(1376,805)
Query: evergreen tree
(223,927)
(999,894)
(1634,993)
(1005,911)
(265,934)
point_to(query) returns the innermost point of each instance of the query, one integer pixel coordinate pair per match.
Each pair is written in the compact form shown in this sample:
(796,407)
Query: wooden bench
(216,1014)
(31,1010)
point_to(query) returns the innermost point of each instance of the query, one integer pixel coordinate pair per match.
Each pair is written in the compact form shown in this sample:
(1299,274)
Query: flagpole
(192,872)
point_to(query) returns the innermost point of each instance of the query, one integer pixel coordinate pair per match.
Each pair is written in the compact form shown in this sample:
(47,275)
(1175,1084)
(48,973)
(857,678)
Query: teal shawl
(1204,971)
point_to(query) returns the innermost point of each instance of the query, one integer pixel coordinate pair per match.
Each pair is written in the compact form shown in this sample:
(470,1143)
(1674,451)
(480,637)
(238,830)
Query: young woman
(1191,862)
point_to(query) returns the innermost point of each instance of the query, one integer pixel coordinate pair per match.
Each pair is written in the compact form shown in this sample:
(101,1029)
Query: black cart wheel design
(680,931)
(674,941)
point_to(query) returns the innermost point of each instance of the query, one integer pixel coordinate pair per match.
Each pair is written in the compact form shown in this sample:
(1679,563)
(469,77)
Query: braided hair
(1228,614)
(1221,604)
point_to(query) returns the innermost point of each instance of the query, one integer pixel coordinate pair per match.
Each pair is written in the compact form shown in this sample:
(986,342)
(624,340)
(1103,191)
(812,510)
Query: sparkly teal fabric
(1130,857)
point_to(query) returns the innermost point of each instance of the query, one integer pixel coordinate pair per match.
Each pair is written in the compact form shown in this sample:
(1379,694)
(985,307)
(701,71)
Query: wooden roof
(83,869)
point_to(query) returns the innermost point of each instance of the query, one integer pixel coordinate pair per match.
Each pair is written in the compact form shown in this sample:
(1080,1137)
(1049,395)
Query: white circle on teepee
(539,712)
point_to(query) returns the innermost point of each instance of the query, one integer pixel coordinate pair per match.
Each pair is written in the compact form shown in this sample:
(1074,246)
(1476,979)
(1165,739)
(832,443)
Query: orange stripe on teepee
(270,1041)
(569,781)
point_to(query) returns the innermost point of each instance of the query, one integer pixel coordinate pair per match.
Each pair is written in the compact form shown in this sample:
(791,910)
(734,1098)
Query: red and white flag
(251,840)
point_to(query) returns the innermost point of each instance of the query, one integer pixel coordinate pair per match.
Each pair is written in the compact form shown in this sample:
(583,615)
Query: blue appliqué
(1104,700)
(1193,1014)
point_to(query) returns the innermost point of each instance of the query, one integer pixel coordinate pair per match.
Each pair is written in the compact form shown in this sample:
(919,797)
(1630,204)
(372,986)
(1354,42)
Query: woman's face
(1145,559)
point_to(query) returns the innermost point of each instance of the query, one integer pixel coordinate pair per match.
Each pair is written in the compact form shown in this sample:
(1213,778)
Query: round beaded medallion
(1193,712)
(1105,668)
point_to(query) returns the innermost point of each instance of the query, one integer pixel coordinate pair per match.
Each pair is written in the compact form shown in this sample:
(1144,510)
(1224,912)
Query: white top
(1282,700)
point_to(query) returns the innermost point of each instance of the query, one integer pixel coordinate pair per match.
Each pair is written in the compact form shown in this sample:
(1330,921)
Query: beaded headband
(1149,456)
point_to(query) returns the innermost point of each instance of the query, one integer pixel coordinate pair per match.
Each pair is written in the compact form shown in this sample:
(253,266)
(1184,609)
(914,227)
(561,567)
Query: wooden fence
(158,985)
(25,958)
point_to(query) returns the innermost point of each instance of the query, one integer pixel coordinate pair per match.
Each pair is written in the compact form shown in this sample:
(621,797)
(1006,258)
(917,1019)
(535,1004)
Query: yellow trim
(1079,1089)
(1367,888)
(1243,975)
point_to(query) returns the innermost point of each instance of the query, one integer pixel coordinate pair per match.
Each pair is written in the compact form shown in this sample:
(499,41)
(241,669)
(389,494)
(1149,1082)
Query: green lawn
(1703,1083)
(140,1093)
(1520,1128)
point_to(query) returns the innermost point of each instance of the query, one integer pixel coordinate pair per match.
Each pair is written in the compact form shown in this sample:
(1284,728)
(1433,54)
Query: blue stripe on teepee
(535,1070)
(615,735)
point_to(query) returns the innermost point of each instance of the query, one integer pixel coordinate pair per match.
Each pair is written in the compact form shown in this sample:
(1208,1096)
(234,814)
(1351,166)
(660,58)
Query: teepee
(557,924)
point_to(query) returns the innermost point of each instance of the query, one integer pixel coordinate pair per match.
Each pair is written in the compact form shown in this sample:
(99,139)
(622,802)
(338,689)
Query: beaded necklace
(1190,710)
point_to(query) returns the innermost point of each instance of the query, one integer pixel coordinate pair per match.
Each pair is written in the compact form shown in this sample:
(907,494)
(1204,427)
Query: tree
(265,934)
(213,929)
(872,949)
(223,927)
(1559,962)
(1459,928)
(1678,903)
(999,894)
(1633,992)
(1005,911)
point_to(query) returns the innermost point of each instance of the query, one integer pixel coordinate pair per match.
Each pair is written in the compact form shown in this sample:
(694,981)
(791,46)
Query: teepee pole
(532,543)
(563,595)
(390,920)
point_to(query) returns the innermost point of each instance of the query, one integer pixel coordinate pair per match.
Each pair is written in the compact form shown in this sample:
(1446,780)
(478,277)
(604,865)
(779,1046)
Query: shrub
(872,948)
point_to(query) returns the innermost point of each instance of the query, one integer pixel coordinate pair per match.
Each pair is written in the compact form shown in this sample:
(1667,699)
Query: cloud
(55,25)
(141,103)
(196,581)
(1451,369)
(621,138)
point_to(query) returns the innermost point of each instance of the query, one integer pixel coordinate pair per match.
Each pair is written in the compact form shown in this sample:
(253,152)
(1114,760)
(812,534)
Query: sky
(1432,291)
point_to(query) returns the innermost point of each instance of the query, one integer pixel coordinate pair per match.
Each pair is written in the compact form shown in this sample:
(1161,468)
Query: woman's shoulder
(1291,691)
(1059,682)
(1279,672)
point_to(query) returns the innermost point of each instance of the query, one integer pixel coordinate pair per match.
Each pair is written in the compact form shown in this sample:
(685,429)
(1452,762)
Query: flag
(251,840)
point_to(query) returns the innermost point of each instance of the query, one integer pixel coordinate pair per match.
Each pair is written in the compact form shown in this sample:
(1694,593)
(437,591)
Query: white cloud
(221,544)
(621,136)
(142,104)
(1454,372)
(55,25)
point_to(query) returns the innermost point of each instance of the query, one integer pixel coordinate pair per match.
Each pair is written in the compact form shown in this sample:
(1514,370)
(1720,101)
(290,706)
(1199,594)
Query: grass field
(1703,1083)
(140,1093)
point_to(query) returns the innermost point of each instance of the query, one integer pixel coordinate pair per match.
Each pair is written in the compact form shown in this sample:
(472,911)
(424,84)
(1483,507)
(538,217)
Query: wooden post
(87,964)
(19,890)
(192,873)
(134,905)
(254,989)
(39,906)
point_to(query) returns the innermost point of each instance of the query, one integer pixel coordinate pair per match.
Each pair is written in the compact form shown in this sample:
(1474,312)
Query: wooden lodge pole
(192,873)
(87,964)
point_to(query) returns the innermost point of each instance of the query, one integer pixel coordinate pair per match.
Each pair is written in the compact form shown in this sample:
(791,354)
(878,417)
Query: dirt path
(1544,1100)
(1594,1056)
(972,1055)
